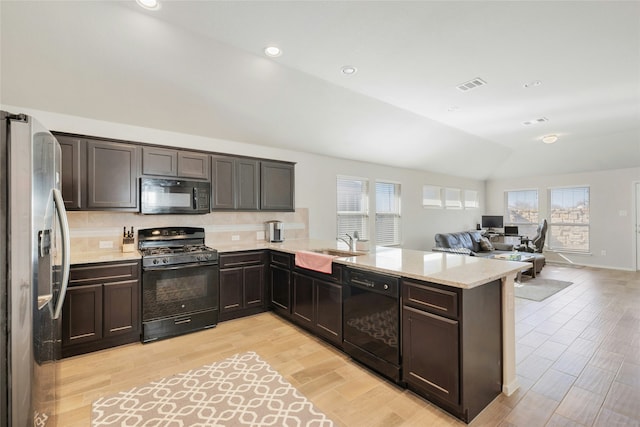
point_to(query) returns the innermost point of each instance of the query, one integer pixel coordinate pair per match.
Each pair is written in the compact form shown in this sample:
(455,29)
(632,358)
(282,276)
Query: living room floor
(578,363)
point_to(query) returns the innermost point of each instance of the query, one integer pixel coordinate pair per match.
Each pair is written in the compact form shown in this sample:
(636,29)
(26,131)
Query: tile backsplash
(99,230)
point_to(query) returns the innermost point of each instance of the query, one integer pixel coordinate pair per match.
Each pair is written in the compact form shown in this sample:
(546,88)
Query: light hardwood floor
(578,364)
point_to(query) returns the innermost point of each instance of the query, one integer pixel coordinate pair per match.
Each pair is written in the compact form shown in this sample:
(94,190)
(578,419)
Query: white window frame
(471,199)
(432,197)
(526,226)
(452,198)
(342,217)
(561,229)
(384,236)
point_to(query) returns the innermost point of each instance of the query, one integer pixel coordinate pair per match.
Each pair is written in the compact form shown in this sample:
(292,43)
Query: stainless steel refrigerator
(34,270)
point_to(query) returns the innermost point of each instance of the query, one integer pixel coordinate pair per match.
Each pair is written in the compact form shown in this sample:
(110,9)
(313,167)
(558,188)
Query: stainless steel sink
(337,252)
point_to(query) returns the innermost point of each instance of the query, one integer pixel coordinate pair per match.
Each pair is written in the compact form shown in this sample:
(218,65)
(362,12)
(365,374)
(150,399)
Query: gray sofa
(473,243)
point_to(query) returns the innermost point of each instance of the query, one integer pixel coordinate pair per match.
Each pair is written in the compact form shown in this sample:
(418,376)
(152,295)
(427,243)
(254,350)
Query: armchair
(536,244)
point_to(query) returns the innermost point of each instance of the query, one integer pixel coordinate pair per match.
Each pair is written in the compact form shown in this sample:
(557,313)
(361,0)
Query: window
(353,207)
(522,210)
(452,198)
(569,219)
(431,196)
(471,199)
(387,213)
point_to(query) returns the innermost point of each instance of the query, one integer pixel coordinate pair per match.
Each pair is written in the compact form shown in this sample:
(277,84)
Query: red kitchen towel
(314,261)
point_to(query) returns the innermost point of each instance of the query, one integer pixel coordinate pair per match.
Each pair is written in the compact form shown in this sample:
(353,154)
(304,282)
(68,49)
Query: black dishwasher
(371,321)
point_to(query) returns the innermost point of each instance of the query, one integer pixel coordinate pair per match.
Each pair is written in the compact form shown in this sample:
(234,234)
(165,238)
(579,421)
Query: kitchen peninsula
(448,300)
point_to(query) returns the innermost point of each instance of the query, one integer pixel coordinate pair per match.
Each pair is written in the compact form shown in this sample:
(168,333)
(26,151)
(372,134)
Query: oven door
(178,290)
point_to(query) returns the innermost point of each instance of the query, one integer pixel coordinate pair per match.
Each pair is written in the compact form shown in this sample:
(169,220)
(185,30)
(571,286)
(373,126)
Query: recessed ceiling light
(549,139)
(149,4)
(272,51)
(532,84)
(349,70)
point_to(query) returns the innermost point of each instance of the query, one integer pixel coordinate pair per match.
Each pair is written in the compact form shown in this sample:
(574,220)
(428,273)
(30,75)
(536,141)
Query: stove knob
(155,261)
(165,260)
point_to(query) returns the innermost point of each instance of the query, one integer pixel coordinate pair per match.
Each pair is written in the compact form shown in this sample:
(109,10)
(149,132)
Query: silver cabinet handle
(66,249)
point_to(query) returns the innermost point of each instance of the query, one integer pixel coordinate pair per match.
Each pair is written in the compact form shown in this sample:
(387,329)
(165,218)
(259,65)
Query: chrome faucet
(351,243)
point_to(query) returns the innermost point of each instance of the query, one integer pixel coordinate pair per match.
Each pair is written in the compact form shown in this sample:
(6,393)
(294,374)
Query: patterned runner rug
(242,390)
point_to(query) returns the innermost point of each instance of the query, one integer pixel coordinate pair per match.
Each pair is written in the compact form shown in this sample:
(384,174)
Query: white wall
(612,210)
(315,177)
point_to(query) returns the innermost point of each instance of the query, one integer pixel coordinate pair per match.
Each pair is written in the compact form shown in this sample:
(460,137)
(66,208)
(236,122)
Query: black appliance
(179,282)
(174,196)
(371,321)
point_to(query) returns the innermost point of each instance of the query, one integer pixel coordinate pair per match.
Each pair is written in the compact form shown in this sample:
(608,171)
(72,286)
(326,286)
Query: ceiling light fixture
(348,70)
(272,51)
(149,4)
(549,139)
(471,84)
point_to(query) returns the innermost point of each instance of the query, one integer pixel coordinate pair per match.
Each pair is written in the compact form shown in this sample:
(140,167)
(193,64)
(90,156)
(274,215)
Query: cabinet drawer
(98,273)
(280,258)
(241,259)
(430,298)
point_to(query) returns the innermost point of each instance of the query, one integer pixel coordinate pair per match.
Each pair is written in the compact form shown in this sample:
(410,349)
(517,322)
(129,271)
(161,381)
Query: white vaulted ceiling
(199,68)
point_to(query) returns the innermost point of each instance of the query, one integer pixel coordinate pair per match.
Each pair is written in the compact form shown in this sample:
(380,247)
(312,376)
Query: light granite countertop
(439,267)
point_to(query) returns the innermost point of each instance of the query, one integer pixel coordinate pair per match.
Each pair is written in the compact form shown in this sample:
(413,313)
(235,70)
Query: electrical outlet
(106,244)
(603,252)
(235,237)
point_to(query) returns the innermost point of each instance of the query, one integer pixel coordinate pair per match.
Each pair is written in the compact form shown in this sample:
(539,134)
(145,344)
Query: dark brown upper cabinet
(277,186)
(178,163)
(159,161)
(112,175)
(235,183)
(73,166)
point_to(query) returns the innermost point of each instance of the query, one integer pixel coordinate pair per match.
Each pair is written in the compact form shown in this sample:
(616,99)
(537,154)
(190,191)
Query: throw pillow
(485,244)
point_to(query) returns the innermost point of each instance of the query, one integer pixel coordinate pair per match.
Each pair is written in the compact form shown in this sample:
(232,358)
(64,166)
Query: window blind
(352,207)
(387,213)
(569,223)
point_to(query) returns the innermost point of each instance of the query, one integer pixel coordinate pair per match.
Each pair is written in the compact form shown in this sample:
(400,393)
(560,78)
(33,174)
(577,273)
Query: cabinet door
(159,161)
(71,172)
(82,314)
(254,286)
(277,186)
(231,289)
(431,354)
(193,165)
(302,304)
(328,310)
(247,184)
(223,177)
(112,173)
(121,308)
(280,289)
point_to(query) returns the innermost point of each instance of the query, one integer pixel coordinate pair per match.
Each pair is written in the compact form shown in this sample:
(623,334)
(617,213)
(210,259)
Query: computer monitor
(492,221)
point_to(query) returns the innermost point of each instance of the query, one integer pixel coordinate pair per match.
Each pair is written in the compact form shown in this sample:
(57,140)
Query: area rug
(539,289)
(242,390)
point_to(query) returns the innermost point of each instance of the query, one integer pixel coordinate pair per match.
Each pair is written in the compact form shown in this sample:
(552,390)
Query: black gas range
(179,282)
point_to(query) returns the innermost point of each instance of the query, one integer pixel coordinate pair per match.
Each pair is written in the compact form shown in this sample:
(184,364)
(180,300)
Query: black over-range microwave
(174,196)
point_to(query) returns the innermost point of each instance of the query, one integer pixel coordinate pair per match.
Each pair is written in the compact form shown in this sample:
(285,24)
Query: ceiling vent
(471,84)
(535,121)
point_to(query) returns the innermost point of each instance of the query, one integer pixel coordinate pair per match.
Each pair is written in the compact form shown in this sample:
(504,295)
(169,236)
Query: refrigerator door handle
(66,249)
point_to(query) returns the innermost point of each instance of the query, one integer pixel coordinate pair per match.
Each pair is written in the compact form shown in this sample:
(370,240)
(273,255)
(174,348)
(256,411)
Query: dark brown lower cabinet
(317,303)
(101,308)
(242,284)
(280,283)
(452,345)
